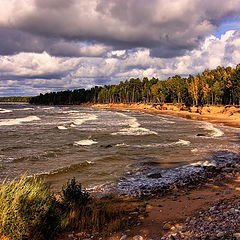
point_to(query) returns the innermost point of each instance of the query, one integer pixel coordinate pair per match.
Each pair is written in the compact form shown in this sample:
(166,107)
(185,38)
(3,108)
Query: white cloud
(35,64)
(33,73)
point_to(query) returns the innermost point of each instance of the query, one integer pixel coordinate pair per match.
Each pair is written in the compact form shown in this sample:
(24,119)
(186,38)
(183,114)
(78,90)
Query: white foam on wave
(154,145)
(215,132)
(203,163)
(70,112)
(82,119)
(24,109)
(18,121)
(47,108)
(86,142)
(62,127)
(182,142)
(165,120)
(194,150)
(134,127)
(121,145)
(133,123)
(5,110)
(135,132)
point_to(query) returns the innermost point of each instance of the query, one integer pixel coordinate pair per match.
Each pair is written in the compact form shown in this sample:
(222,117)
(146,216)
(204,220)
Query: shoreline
(171,210)
(222,115)
(14,103)
(174,212)
(177,211)
(182,205)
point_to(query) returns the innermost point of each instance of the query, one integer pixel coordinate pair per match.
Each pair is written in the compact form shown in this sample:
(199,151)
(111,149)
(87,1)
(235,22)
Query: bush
(80,212)
(27,210)
(72,194)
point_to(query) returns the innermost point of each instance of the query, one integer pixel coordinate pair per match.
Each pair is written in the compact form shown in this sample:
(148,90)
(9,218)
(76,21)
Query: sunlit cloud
(50,45)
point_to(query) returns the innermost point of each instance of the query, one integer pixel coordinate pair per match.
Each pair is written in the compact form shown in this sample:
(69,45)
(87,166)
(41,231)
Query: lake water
(108,150)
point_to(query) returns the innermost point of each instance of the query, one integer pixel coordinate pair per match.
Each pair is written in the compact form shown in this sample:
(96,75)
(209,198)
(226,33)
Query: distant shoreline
(14,102)
(223,115)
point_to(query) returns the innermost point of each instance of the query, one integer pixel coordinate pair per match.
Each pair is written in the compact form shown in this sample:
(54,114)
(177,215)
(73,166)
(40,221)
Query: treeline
(15,99)
(217,86)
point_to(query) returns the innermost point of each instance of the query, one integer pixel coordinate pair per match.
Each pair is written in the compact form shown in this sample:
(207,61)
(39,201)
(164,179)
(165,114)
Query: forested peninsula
(15,99)
(217,86)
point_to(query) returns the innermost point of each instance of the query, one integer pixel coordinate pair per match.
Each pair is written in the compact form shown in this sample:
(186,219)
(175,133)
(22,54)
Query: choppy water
(105,149)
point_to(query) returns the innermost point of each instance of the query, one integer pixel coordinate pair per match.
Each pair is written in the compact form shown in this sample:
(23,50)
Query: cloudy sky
(51,45)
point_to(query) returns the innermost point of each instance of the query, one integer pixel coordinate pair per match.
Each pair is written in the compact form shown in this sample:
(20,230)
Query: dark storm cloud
(13,41)
(168,28)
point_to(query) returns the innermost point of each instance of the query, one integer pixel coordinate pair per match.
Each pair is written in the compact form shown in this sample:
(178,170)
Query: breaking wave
(165,120)
(5,111)
(134,128)
(18,121)
(61,127)
(155,145)
(182,142)
(70,112)
(63,170)
(86,142)
(82,119)
(121,145)
(215,132)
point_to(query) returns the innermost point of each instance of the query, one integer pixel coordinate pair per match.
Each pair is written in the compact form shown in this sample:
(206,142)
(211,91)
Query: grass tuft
(30,211)
(27,210)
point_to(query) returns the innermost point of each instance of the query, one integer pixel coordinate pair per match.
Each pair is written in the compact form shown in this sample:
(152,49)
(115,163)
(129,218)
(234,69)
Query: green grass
(30,211)
(27,210)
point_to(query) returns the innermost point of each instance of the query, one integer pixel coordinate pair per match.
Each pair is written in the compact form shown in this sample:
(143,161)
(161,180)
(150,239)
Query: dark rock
(154,175)
(201,135)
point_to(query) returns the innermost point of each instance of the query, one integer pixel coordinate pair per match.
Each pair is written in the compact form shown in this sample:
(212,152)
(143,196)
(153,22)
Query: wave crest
(18,121)
(61,127)
(5,110)
(215,132)
(182,142)
(134,127)
(82,119)
(86,142)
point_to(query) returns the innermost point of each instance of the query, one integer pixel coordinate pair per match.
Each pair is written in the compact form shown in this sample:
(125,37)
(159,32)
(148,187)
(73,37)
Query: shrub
(72,194)
(80,212)
(27,210)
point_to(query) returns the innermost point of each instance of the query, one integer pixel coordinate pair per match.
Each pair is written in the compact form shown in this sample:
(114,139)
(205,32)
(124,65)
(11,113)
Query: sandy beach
(167,215)
(225,115)
(186,212)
